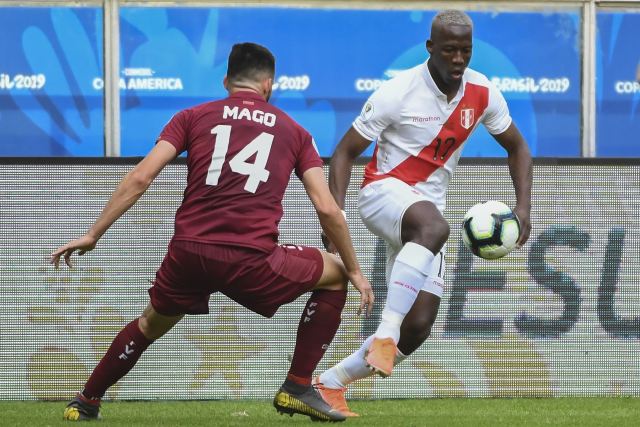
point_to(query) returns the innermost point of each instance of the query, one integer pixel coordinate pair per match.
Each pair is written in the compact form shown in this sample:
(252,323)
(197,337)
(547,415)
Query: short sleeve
(376,115)
(309,157)
(176,131)
(496,118)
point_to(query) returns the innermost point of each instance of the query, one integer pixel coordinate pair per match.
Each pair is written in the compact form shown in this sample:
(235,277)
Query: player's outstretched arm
(521,170)
(130,189)
(335,226)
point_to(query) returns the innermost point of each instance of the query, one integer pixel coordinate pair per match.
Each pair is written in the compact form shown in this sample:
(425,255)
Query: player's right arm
(335,226)
(350,147)
(130,189)
(376,115)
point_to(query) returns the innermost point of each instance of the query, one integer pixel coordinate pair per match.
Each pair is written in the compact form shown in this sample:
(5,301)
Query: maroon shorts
(262,282)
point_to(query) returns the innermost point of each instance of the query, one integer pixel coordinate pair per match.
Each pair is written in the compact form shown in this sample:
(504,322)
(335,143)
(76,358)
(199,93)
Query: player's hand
(366,293)
(83,245)
(524,218)
(328,244)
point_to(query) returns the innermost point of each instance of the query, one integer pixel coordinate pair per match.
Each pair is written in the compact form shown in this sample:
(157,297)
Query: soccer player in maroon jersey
(241,152)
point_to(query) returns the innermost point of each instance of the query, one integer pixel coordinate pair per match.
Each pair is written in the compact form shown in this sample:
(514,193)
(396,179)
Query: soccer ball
(490,229)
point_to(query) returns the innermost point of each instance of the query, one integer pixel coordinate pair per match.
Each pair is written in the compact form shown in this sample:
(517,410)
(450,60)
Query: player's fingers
(55,256)
(522,239)
(370,305)
(67,257)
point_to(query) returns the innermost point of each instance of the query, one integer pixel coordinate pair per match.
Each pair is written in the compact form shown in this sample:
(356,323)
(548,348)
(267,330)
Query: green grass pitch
(581,412)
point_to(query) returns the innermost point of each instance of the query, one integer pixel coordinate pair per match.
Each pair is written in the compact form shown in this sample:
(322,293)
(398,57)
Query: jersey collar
(431,84)
(247,94)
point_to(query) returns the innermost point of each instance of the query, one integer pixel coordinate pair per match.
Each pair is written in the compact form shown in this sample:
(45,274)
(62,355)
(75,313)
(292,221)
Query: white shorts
(382,205)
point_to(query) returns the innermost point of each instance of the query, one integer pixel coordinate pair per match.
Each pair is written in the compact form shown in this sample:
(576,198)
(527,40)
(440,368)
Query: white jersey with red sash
(420,134)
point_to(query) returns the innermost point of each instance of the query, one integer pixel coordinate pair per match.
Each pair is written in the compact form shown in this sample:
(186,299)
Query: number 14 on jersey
(256,171)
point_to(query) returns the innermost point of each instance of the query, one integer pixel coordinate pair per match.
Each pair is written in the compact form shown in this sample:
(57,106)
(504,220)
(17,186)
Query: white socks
(409,272)
(352,368)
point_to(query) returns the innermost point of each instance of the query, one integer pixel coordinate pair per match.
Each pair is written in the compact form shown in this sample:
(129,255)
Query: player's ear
(267,87)
(429,45)
(225,82)
(268,83)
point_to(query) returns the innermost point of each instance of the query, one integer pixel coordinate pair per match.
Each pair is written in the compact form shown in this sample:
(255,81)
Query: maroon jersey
(240,154)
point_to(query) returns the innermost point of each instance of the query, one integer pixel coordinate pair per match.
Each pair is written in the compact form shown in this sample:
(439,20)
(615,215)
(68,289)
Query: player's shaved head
(448,18)
(450,46)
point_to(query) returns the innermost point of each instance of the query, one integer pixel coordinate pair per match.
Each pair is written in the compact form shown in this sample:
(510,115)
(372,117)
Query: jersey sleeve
(496,118)
(308,157)
(176,131)
(376,115)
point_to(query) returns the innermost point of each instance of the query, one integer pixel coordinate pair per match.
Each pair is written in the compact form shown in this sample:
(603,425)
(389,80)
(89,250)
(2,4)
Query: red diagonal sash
(453,134)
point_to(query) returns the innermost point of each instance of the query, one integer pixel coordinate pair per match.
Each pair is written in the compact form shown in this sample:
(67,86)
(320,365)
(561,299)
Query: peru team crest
(467,117)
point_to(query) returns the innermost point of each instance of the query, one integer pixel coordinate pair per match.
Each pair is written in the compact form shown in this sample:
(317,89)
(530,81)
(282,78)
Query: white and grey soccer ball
(490,229)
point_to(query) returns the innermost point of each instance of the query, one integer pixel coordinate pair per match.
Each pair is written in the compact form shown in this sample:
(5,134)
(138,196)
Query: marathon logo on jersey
(467,117)
(258,116)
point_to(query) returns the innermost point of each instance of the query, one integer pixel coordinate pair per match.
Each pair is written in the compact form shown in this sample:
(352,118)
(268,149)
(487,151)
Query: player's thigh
(382,205)
(181,285)
(275,279)
(334,274)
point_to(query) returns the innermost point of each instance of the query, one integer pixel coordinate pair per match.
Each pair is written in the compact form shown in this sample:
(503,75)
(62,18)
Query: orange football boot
(334,397)
(381,355)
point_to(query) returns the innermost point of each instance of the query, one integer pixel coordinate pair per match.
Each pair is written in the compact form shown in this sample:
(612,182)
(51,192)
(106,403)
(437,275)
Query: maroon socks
(125,350)
(318,325)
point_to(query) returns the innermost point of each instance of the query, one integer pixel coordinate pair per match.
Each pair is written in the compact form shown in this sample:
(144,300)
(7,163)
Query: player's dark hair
(249,61)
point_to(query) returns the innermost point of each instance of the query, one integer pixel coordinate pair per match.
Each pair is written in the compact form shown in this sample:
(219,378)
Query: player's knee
(334,297)
(150,329)
(340,285)
(334,277)
(433,236)
(145,327)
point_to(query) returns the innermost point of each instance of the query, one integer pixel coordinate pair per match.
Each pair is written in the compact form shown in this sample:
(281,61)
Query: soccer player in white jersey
(421,119)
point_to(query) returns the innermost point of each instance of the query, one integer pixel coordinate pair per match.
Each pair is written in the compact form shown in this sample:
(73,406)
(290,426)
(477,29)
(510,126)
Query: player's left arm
(521,171)
(130,189)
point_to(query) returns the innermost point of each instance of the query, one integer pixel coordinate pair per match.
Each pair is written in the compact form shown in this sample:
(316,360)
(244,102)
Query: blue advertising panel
(172,58)
(176,57)
(618,85)
(48,105)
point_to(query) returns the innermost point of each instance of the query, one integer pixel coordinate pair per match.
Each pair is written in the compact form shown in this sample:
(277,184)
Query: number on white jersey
(256,171)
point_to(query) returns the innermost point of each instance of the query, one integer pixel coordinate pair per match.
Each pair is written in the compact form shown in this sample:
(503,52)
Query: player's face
(450,52)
